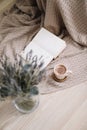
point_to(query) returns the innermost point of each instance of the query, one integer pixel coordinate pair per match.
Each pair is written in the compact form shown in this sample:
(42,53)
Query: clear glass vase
(27,103)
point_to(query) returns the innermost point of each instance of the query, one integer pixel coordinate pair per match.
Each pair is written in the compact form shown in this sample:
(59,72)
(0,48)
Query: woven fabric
(65,18)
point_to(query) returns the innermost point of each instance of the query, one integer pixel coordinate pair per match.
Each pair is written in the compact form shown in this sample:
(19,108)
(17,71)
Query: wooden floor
(63,110)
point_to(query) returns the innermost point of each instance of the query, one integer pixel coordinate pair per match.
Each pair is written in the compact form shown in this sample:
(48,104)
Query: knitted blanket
(66,19)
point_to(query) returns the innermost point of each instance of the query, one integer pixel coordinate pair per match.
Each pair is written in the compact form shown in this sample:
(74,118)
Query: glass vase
(27,103)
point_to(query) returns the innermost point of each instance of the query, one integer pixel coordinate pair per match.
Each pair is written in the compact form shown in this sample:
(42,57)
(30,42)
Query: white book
(45,44)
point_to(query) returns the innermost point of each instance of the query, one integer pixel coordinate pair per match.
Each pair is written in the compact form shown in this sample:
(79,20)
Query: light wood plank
(63,110)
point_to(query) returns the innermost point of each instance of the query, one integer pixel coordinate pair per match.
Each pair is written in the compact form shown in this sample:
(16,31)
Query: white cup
(61,71)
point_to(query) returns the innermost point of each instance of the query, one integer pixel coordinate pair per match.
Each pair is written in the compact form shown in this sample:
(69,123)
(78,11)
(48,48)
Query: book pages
(49,42)
(39,52)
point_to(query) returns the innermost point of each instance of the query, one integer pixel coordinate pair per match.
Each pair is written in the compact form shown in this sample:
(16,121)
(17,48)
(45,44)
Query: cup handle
(68,72)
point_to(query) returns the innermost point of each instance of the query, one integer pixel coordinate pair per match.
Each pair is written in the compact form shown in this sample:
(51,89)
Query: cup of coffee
(61,71)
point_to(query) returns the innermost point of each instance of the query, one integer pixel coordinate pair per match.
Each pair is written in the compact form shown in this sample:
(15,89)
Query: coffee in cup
(61,71)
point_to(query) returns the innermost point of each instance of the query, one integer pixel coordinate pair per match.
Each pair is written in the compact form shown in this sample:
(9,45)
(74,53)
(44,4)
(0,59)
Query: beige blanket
(65,18)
